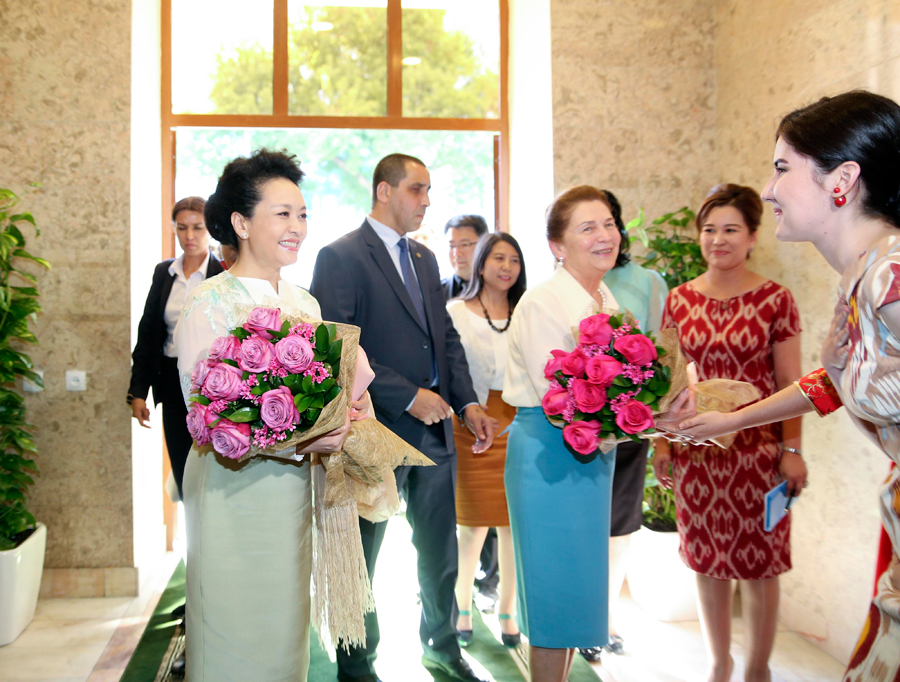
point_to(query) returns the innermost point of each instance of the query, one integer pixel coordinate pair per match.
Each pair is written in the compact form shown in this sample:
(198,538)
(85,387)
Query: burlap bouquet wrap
(722,395)
(358,481)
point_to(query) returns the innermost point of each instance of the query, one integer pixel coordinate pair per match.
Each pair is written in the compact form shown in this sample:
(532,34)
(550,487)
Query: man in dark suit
(388,285)
(463,231)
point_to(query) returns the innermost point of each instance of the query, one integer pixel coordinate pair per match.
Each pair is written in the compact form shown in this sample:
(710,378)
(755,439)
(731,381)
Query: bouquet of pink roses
(264,382)
(607,389)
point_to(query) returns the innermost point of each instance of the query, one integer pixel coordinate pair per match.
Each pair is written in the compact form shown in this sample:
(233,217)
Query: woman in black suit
(155,364)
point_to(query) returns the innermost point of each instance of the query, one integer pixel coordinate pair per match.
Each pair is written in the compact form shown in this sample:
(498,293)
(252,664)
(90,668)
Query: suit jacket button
(425,381)
(425,346)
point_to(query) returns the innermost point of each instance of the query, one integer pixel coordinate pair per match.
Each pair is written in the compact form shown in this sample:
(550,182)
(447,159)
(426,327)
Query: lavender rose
(263,320)
(223,382)
(295,353)
(231,440)
(277,410)
(198,374)
(196,424)
(256,354)
(225,348)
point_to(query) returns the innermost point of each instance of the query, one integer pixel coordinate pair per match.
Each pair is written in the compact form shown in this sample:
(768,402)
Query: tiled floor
(89,640)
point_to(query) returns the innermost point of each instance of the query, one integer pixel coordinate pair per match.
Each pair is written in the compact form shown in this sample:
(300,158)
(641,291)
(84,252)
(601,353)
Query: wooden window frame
(280,118)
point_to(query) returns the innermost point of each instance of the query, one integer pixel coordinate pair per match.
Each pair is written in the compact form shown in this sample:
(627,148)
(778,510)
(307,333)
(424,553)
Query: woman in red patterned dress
(735,324)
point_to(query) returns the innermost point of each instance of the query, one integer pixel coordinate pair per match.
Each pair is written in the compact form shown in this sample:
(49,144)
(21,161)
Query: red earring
(840,201)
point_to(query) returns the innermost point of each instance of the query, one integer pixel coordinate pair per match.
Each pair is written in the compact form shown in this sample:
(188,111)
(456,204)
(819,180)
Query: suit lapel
(424,276)
(386,264)
(168,280)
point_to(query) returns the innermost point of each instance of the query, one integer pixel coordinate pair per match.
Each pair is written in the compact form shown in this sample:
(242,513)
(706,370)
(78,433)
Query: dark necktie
(409,279)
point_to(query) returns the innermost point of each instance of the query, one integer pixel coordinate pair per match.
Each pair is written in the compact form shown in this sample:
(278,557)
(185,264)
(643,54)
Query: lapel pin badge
(418,255)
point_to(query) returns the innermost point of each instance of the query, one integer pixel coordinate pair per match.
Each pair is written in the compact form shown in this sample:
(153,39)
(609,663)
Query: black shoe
(364,678)
(591,654)
(511,641)
(615,645)
(178,667)
(178,612)
(458,669)
(464,637)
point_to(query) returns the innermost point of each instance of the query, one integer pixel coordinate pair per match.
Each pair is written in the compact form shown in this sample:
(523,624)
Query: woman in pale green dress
(249,523)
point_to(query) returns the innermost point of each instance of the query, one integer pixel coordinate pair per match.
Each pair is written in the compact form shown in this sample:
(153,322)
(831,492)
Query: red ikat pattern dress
(720,494)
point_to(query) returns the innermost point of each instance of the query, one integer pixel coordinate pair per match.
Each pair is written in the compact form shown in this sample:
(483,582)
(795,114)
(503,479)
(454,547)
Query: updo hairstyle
(239,189)
(744,199)
(855,126)
(560,212)
(188,204)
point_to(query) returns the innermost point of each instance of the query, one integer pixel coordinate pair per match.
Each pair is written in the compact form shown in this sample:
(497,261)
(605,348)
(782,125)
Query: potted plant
(658,580)
(22,539)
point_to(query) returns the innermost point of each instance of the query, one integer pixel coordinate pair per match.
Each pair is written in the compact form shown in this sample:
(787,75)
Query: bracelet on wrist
(785,448)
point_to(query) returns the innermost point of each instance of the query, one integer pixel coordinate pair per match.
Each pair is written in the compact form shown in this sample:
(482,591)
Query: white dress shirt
(181,287)
(391,239)
(544,321)
(486,350)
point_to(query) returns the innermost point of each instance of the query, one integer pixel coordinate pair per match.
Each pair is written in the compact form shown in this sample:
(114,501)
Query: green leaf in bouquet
(302,402)
(229,361)
(326,385)
(318,402)
(322,341)
(607,411)
(334,352)
(215,423)
(259,389)
(307,384)
(313,413)
(245,375)
(332,393)
(332,333)
(646,397)
(633,437)
(244,415)
(622,381)
(292,381)
(615,321)
(202,399)
(285,327)
(240,333)
(653,384)
(615,391)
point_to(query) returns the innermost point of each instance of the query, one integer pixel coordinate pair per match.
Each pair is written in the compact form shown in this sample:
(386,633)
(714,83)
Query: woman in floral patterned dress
(837,185)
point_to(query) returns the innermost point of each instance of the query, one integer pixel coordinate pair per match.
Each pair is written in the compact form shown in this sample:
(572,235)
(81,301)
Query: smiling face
(403,207)
(725,239)
(800,200)
(502,267)
(191,232)
(463,241)
(276,230)
(590,243)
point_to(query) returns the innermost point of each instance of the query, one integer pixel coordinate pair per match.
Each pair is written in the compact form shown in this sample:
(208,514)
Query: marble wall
(634,100)
(772,56)
(65,84)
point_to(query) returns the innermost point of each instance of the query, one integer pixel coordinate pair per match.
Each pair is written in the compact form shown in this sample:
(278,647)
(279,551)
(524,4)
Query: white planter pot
(658,580)
(20,583)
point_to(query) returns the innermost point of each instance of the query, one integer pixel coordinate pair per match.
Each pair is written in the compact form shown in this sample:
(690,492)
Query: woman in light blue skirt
(559,502)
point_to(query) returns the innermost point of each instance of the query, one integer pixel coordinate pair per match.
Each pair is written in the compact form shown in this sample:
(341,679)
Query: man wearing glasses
(464,232)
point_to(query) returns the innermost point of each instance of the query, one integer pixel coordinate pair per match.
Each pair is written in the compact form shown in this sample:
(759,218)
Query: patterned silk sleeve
(817,388)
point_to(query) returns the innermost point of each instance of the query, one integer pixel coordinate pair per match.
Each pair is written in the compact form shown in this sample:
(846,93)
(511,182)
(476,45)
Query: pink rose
(573,364)
(555,400)
(554,364)
(295,353)
(198,375)
(231,440)
(602,369)
(225,348)
(595,329)
(256,354)
(277,410)
(582,437)
(196,424)
(589,397)
(636,348)
(223,382)
(634,417)
(262,320)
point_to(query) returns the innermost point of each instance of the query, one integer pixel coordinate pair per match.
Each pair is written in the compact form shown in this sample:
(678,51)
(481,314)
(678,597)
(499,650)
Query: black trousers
(178,440)
(431,511)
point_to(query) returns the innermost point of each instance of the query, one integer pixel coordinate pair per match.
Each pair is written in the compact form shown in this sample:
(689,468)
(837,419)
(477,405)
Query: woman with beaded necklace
(482,316)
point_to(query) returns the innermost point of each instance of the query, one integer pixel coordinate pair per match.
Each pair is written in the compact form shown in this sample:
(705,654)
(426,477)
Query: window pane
(451,58)
(338,183)
(337,58)
(222,57)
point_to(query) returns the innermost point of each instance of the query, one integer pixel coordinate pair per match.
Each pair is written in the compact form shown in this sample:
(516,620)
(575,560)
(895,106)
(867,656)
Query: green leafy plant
(673,251)
(671,243)
(18,309)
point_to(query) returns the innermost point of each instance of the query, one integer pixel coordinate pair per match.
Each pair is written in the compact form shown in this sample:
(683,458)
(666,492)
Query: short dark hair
(476,222)
(188,204)
(615,208)
(744,199)
(391,169)
(482,252)
(855,126)
(238,189)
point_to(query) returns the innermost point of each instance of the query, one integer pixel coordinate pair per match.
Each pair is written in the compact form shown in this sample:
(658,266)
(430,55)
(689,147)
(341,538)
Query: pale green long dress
(248,524)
